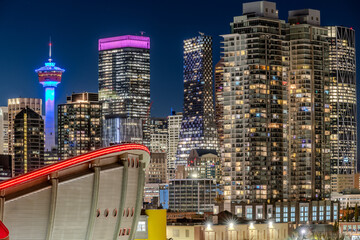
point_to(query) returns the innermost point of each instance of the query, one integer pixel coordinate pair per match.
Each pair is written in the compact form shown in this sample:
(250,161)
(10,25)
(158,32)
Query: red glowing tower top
(50,75)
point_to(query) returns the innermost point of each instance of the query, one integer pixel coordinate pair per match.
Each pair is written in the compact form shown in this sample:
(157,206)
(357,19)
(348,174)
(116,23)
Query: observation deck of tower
(49,76)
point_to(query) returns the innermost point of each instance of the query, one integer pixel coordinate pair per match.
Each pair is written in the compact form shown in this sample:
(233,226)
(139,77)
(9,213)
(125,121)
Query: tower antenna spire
(50,44)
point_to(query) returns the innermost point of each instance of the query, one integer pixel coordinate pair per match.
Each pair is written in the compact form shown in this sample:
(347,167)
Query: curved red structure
(61,201)
(4,232)
(70,162)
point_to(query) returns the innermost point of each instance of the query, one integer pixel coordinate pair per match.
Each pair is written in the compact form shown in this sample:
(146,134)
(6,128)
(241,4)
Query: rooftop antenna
(50,44)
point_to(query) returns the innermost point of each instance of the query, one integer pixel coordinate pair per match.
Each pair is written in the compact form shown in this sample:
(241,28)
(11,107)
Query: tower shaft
(49,118)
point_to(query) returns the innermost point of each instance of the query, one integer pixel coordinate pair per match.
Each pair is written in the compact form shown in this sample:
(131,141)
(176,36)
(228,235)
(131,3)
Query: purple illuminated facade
(49,76)
(124,82)
(124,42)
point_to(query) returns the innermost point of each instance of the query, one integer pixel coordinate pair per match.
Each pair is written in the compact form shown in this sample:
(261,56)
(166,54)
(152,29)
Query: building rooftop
(260,9)
(304,16)
(124,42)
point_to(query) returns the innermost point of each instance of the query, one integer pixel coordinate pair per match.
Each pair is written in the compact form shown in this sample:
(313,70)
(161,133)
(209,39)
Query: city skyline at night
(76,39)
(193,120)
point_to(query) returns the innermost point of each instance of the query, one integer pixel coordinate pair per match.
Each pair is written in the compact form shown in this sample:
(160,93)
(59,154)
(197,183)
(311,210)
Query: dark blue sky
(75,27)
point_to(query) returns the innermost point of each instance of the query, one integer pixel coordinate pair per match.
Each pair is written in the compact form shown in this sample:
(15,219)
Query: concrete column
(54,191)
(94,203)
(139,199)
(124,185)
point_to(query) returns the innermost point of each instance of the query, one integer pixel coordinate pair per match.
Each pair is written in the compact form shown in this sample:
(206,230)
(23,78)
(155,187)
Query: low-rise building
(270,231)
(340,182)
(347,197)
(357,180)
(295,213)
(350,230)
(230,231)
(192,195)
(183,231)
(151,225)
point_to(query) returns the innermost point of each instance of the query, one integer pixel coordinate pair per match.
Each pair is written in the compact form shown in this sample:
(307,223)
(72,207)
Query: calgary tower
(49,76)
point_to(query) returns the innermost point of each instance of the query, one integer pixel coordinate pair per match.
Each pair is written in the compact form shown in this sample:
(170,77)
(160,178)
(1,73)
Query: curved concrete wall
(100,200)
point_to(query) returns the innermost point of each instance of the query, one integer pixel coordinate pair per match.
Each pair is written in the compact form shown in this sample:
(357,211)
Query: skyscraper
(15,105)
(343,138)
(4,128)
(28,141)
(117,129)
(124,82)
(158,135)
(174,126)
(255,81)
(156,171)
(219,108)
(79,125)
(198,128)
(309,106)
(49,76)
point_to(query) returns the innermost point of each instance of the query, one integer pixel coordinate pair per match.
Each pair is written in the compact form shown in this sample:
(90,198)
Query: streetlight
(303,232)
(271,224)
(251,225)
(251,230)
(230,229)
(231,225)
(271,228)
(208,226)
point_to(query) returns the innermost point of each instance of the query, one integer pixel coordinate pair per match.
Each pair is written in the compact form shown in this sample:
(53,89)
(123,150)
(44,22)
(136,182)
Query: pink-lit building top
(124,42)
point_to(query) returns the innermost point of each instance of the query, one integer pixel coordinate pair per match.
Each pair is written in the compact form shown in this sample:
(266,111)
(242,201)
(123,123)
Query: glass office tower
(124,81)
(79,125)
(343,138)
(28,141)
(198,128)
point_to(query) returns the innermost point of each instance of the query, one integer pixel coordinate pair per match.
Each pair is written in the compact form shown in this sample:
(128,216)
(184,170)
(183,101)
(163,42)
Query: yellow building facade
(152,226)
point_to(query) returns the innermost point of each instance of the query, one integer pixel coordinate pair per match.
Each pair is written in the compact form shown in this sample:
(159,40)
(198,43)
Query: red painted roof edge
(70,162)
(4,232)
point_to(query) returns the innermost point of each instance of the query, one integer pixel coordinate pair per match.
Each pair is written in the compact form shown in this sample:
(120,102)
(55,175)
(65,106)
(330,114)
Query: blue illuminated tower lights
(49,76)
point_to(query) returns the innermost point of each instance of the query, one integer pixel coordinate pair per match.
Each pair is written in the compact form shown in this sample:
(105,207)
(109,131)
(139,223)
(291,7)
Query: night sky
(76,26)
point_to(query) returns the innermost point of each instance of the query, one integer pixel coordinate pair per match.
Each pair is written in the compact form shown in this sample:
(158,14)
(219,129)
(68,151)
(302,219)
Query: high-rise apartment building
(158,135)
(50,76)
(255,82)
(4,128)
(124,83)
(309,106)
(343,119)
(28,141)
(79,125)
(15,105)
(174,126)
(219,108)
(198,128)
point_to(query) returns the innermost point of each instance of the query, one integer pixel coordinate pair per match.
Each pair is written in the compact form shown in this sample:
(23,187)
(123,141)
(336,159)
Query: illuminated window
(141,226)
